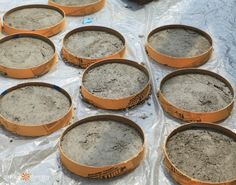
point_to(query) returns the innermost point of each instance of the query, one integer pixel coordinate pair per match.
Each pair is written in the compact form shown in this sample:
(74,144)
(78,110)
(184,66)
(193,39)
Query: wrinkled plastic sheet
(39,157)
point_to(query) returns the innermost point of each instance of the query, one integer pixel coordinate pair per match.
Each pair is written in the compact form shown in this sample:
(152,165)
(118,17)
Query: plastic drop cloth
(39,157)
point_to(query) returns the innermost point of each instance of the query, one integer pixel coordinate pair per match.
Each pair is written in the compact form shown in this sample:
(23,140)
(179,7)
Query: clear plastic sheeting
(36,160)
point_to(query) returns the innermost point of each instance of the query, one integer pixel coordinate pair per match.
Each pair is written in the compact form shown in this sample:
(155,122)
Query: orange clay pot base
(25,52)
(33,18)
(177,42)
(115,80)
(101,143)
(74,2)
(34,105)
(197,92)
(203,154)
(93,44)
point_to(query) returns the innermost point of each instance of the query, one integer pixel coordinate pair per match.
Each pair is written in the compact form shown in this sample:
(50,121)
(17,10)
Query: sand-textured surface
(115,80)
(197,92)
(93,44)
(179,42)
(33,18)
(75,2)
(25,52)
(34,105)
(204,154)
(100,143)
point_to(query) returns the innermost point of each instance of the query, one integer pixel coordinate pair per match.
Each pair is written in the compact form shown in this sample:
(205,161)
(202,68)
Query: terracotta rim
(180,176)
(30,72)
(84,62)
(179,62)
(47,31)
(108,171)
(80,10)
(190,116)
(42,129)
(117,103)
